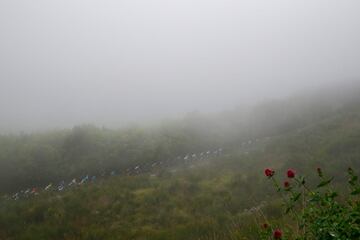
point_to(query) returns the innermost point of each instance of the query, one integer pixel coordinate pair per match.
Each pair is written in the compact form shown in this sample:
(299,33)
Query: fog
(111,62)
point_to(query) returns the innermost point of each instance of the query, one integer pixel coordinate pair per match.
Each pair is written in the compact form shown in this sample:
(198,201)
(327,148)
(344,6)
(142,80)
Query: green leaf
(301,180)
(324,183)
(353,180)
(356,191)
(288,209)
(296,197)
(332,195)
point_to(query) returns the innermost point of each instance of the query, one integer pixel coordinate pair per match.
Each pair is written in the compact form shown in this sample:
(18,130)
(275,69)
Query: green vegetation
(219,198)
(319,213)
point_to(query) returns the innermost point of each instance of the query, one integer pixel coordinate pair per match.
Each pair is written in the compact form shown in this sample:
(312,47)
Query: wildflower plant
(320,212)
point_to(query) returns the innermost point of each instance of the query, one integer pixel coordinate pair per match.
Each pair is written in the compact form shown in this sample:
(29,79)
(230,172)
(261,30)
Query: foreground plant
(320,212)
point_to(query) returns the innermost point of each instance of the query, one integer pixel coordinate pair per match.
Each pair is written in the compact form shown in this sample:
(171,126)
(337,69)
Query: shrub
(320,212)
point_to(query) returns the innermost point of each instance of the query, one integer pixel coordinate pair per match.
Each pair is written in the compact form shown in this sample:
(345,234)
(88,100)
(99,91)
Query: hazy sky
(66,62)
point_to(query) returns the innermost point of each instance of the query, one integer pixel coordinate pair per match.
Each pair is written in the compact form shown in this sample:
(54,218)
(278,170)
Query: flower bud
(269,172)
(277,234)
(290,173)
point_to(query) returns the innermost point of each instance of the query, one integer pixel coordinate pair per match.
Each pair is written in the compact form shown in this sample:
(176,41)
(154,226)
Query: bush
(320,212)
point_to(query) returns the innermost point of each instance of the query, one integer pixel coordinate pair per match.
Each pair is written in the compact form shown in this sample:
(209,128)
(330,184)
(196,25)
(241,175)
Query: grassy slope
(203,202)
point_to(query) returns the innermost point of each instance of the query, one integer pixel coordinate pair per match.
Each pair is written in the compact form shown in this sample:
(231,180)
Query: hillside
(187,197)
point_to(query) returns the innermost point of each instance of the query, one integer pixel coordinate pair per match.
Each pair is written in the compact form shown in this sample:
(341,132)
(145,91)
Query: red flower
(286,184)
(290,173)
(269,172)
(277,234)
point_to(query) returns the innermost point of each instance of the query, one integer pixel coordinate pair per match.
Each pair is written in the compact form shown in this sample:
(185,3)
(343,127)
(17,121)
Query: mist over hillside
(37,158)
(190,178)
(179,120)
